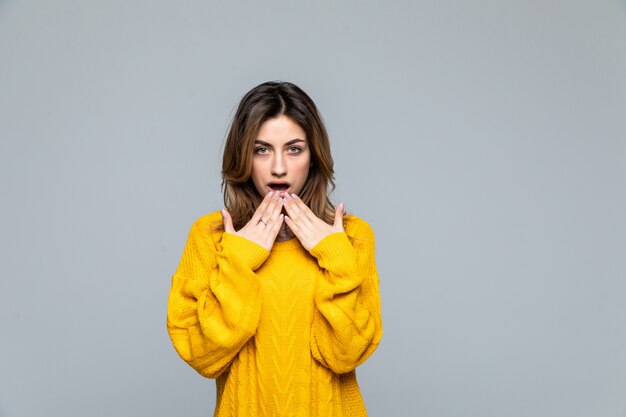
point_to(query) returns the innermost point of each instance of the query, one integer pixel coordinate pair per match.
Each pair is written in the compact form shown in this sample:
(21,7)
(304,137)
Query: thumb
(228,221)
(339,217)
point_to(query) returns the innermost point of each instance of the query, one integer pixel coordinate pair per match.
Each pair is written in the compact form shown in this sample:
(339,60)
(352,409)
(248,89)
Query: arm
(347,324)
(214,304)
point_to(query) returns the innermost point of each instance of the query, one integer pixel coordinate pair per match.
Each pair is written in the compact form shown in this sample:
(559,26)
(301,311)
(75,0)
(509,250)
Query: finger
(339,216)
(228,221)
(306,211)
(269,216)
(261,209)
(297,230)
(260,218)
(295,213)
(278,207)
(275,228)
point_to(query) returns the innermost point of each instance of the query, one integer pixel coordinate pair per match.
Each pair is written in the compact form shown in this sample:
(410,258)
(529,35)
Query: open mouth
(279,187)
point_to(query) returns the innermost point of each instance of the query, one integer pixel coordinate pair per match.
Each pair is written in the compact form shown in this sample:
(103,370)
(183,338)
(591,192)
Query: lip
(282,192)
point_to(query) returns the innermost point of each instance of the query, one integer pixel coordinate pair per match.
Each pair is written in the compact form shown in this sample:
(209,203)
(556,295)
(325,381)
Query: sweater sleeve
(347,325)
(214,304)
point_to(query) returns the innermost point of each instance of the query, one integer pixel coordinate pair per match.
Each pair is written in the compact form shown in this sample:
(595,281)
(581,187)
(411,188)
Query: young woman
(276,296)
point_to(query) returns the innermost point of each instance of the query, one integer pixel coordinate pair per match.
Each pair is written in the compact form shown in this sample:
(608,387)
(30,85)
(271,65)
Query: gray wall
(484,141)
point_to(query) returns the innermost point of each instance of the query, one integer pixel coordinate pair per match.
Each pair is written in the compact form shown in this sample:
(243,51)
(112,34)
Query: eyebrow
(291,142)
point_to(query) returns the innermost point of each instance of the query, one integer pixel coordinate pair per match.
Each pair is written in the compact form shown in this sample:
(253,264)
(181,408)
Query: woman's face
(281,157)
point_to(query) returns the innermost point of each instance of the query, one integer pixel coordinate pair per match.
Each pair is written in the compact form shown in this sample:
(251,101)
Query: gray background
(484,141)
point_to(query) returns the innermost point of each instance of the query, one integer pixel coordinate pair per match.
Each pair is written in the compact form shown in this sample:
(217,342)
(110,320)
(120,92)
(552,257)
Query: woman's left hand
(308,228)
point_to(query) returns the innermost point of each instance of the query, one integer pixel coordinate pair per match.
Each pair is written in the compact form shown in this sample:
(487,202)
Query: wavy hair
(267,101)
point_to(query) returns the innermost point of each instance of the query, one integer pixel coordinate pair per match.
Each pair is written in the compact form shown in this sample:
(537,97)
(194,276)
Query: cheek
(256,173)
(258,167)
(303,169)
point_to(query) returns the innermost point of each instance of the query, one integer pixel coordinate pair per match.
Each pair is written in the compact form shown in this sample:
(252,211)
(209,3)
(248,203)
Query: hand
(307,227)
(265,223)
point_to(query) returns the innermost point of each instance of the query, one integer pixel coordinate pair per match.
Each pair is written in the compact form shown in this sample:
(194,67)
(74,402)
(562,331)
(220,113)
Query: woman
(276,297)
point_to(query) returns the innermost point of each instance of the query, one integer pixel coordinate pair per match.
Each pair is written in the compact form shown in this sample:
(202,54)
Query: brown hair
(267,101)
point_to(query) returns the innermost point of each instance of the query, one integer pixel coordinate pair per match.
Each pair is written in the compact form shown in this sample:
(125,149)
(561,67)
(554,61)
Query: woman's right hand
(264,225)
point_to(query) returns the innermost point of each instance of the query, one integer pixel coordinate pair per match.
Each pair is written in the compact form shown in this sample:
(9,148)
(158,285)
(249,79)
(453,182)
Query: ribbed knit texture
(281,331)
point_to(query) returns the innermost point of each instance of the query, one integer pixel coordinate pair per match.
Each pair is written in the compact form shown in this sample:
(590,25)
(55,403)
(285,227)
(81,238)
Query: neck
(284,233)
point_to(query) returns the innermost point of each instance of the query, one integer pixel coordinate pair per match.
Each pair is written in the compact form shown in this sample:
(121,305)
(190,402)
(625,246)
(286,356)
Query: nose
(279,165)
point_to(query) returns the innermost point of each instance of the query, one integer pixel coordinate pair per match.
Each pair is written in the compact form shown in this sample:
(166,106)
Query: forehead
(279,130)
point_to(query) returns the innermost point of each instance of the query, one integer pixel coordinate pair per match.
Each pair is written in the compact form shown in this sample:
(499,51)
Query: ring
(261,221)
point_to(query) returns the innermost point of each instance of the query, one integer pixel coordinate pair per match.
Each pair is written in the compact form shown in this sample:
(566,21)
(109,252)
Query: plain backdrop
(484,141)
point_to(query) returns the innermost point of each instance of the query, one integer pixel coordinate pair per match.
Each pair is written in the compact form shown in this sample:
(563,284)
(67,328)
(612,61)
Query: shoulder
(209,221)
(357,228)
(208,228)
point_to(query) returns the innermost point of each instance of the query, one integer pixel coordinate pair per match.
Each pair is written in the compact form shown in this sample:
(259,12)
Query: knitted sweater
(281,331)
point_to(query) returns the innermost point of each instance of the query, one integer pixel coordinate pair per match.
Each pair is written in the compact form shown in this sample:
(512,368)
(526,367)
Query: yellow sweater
(282,331)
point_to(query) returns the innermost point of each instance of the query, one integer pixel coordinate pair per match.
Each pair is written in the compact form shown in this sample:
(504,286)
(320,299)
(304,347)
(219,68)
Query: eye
(261,150)
(295,149)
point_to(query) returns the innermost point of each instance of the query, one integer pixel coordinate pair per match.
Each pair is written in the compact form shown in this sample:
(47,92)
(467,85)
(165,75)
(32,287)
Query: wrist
(246,251)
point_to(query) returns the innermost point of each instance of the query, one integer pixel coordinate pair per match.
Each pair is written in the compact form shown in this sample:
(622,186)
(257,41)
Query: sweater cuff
(335,253)
(250,254)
